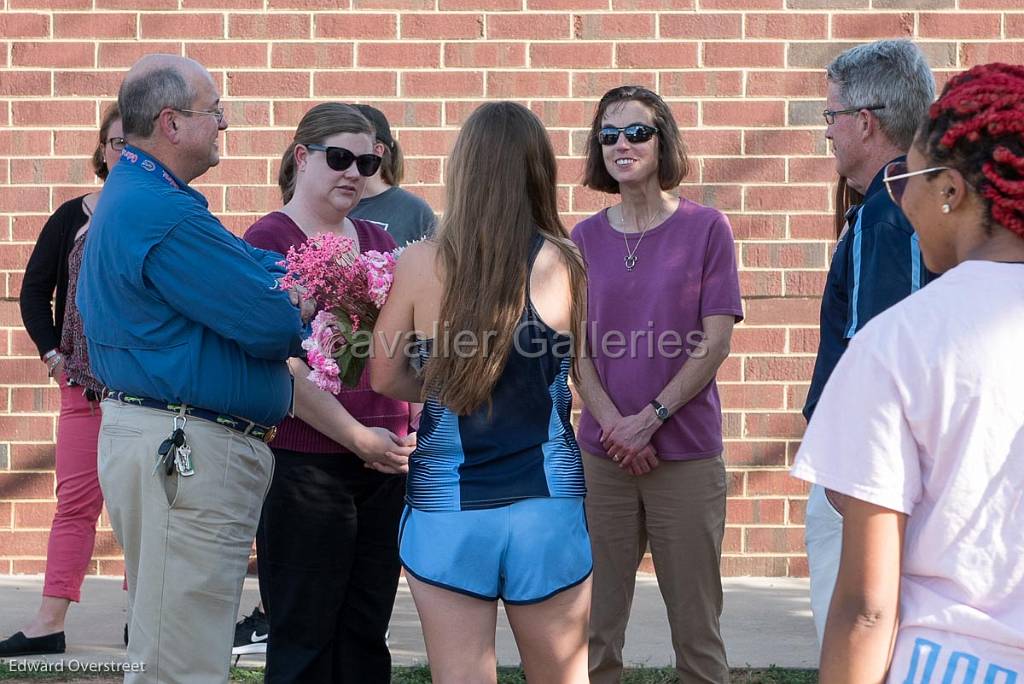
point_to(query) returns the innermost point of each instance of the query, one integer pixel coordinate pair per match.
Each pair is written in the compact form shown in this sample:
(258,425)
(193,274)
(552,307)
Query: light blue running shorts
(524,552)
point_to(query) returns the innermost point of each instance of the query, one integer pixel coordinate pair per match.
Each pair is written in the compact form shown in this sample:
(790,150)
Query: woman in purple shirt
(663,298)
(327,541)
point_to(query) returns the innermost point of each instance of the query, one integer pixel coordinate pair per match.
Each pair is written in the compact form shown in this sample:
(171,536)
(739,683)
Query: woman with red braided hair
(921,424)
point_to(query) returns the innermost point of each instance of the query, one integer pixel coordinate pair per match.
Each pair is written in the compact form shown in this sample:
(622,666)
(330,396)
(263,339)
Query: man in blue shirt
(187,328)
(877,96)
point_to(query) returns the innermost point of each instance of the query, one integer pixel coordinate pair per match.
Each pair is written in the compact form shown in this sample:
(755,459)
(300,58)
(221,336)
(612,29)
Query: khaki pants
(186,541)
(680,509)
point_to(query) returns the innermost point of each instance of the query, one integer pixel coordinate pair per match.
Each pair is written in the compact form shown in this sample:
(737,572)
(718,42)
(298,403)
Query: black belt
(242,425)
(87,392)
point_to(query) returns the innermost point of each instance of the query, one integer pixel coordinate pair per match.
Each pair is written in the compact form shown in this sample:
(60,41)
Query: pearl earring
(946,208)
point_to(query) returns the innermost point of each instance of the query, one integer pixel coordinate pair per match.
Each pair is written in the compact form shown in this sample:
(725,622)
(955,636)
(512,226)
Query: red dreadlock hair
(977,127)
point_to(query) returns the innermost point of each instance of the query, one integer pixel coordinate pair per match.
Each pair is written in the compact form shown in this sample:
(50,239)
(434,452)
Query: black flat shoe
(21,645)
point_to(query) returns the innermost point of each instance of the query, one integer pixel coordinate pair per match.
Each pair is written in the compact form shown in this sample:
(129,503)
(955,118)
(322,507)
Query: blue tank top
(524,447)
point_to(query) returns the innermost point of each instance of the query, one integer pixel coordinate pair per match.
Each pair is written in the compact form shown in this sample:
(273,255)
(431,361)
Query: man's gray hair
(142,98)
(893,73)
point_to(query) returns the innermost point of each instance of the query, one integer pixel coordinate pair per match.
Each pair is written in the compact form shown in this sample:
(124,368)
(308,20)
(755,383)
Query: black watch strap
(659,410)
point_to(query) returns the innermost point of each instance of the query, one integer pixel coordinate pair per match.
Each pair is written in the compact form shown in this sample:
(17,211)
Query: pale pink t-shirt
(924,415)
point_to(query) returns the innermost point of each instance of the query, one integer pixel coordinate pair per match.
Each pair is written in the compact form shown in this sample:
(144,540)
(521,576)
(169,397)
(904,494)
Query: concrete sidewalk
(766,621)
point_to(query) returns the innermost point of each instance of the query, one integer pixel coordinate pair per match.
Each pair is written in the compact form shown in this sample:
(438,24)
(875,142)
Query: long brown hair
(846,197)
(318,124)
(501,190)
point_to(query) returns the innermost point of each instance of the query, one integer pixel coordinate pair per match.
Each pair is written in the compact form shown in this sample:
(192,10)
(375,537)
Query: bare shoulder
(552,260)
(419,259)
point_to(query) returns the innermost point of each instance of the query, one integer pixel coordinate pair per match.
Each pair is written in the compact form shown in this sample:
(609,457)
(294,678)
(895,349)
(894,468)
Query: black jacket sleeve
(42,277)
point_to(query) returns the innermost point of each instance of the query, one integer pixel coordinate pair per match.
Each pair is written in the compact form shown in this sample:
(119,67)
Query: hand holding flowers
(351,288)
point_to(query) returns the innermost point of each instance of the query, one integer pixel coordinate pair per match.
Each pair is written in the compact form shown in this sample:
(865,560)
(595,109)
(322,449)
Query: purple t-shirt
(642,324)
(277,232)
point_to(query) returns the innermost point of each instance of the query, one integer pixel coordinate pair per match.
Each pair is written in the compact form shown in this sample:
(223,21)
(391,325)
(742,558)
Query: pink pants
(79,499)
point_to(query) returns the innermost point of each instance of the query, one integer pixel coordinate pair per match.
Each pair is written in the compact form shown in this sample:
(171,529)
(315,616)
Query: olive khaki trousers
(186,540)
(679,508)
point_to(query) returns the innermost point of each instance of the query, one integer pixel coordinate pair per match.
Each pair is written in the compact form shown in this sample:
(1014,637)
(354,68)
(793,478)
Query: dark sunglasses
(635,133)
(339,159)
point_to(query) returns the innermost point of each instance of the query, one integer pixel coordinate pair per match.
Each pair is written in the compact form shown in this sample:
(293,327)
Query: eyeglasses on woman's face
(896,176)
(116,144)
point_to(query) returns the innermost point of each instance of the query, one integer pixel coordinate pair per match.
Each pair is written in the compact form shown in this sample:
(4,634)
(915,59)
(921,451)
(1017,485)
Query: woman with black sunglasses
(327,540)
(56,330)
(663,297)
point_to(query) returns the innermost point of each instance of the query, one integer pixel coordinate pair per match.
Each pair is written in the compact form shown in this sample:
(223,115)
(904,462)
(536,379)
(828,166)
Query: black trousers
(327,550)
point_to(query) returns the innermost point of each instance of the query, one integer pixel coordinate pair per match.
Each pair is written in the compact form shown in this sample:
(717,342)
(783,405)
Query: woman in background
(405,216)
(57,333)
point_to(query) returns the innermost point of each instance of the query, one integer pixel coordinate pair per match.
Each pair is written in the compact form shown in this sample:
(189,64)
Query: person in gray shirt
(404,215)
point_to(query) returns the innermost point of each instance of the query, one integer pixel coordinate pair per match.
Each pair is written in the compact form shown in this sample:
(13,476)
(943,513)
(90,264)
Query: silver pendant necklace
(630,259)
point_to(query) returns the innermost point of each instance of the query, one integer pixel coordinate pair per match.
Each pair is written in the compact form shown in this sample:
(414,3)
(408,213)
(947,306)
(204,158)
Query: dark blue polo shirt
(876,264)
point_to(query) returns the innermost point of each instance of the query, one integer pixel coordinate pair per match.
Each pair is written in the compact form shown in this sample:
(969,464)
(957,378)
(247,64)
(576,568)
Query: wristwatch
(659,410)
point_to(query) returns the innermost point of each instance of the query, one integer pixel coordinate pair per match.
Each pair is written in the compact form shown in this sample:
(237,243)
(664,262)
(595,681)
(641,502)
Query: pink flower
(327,336)
(326,373)
(347,287)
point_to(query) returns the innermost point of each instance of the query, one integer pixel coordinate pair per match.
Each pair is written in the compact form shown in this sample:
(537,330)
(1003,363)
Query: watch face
(663,413)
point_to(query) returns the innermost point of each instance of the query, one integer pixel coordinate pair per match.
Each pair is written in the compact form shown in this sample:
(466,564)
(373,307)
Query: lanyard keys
(167,453)
(183,461)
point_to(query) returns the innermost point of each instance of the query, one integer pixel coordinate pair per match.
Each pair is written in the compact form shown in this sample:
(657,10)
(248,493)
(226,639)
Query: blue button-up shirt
(175,307)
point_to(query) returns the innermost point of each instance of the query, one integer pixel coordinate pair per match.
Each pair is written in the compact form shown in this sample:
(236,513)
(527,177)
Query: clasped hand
(627,441)
(384,451)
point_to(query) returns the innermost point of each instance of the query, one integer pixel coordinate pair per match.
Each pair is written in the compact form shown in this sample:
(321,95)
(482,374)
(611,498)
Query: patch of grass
(421,675)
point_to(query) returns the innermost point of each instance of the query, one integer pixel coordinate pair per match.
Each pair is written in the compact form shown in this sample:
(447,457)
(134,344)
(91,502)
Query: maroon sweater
(277,232)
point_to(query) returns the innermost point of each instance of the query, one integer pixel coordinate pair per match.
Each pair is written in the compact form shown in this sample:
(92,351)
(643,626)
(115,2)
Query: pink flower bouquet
(350,289)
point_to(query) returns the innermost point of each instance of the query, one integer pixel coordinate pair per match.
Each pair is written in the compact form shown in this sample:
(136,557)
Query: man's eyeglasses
(635,133)
(896,176)
(217,113)
(116,144)
(830,114)
(339,159)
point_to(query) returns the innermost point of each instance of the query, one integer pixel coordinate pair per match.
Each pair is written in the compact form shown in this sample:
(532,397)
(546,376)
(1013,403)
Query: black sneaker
(21,645)
(251,634)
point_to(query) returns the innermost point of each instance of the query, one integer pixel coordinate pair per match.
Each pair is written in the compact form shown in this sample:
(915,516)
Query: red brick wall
(744,78)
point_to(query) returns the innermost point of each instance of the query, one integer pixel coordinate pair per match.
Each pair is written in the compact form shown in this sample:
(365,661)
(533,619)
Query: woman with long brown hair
(493,308)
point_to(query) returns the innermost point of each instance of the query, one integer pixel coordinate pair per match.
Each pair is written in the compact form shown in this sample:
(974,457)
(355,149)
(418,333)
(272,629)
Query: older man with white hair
(878,94)
(188,329)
